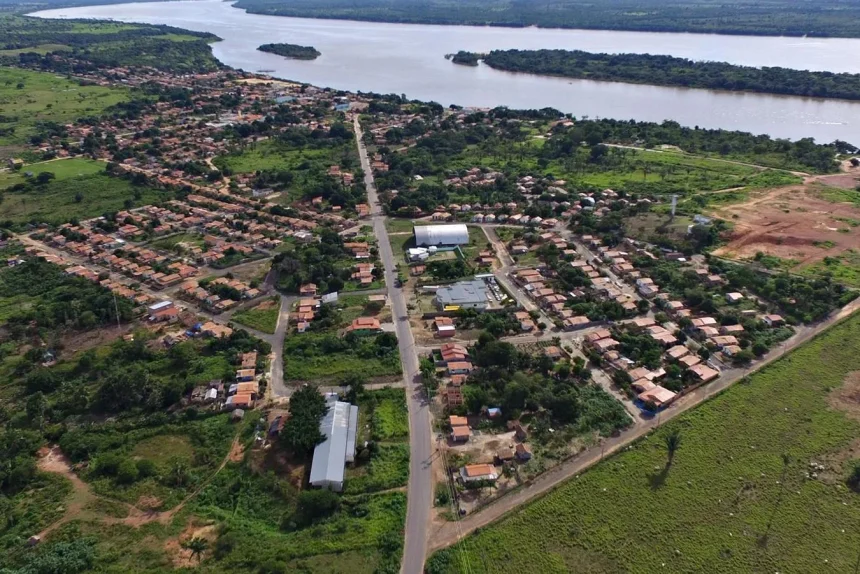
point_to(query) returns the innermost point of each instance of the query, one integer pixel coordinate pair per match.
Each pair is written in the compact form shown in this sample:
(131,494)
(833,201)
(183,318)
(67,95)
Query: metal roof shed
(339,426)
(427,235)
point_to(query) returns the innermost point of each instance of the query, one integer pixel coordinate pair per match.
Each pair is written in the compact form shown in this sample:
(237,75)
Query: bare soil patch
(181,557)
(791,223)
(76,341)
(847,397)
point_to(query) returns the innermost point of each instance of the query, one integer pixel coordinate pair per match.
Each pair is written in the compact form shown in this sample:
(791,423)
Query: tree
(127,471)
(301,432)
(37,405)
(355,383)
(44,177)
(197,546)
(673,443)
(854,478)
(314,505)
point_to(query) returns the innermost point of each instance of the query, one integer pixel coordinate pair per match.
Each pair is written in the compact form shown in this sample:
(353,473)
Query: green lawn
(727,503)
(62,169)
(263,317)
(45,97)
(58,201)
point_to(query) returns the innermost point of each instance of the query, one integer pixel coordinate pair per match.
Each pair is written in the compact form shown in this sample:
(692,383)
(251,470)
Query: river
(409,59)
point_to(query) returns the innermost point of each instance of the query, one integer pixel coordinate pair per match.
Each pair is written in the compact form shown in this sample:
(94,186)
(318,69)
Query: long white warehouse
(339,427)
(441,235)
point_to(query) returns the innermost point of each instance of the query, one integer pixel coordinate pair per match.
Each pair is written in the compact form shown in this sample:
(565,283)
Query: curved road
(420,490)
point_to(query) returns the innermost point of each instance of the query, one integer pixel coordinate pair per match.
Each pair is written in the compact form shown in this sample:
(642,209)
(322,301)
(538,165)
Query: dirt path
(54,461)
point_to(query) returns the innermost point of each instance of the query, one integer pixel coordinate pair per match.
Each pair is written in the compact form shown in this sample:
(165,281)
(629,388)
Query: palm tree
(197,546)
(673,443)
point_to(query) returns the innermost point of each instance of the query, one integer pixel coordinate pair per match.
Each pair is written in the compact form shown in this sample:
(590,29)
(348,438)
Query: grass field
(384,422)
(307,165)
(632,170)
(727,503)
(263,317)
(45,97)
(62,169)
(58,201)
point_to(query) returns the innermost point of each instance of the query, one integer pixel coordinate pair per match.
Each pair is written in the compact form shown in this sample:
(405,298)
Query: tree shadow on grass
(658,479)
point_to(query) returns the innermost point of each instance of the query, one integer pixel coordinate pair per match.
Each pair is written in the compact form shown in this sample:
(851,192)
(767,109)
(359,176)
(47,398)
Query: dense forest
(772,18)
(29,42)
(669,71)
(291,51)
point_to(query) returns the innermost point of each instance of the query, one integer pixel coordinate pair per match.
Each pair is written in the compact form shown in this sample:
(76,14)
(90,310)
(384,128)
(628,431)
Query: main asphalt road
(420,489)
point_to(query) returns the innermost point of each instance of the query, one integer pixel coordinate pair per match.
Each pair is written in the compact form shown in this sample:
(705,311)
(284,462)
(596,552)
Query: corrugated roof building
(339,426)
(430,235)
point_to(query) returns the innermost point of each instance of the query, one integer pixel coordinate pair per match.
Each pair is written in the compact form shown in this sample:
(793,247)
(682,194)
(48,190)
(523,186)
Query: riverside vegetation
(293,51)
(659,70)
(775,18)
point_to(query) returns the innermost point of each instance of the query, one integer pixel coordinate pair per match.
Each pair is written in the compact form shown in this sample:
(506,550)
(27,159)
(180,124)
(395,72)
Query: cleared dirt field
(802,223)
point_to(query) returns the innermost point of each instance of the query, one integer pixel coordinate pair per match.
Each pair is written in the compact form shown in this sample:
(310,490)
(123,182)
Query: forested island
(668,71)
(774,18)
(291,51)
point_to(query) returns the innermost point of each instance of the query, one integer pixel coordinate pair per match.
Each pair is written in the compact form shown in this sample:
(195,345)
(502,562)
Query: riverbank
(408,59)
(745,17)
(659,70)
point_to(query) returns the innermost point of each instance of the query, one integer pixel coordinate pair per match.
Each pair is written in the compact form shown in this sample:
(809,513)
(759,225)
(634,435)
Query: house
(444,327)
(704,373)
(677,352)
(453,352)
(523,452)
(504,454)
(364,326)
(553,352)
(773,320)
(573,323)
(308,290)
(243,375)
(657,397)
(641,323)
(458,421)
(689,361)
(518,428)
(453,395)
(478,472)
(733,298)
(460,434)
(459,368)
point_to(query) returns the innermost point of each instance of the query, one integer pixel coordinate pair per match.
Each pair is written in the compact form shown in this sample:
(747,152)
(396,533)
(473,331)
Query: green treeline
(821,18)
(25,41)
(670,71)
(465,58)
(291,51)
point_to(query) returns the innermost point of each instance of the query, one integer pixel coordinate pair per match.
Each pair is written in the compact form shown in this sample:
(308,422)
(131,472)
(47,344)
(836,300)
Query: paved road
(503,275)
(420,489)
(451,532)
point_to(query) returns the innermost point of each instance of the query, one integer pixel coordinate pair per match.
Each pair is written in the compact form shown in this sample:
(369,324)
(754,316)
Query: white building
(330,456)
(449,235)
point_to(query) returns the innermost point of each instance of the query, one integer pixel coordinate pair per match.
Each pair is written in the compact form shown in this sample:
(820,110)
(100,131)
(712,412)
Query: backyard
(756,485)
(263,317)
